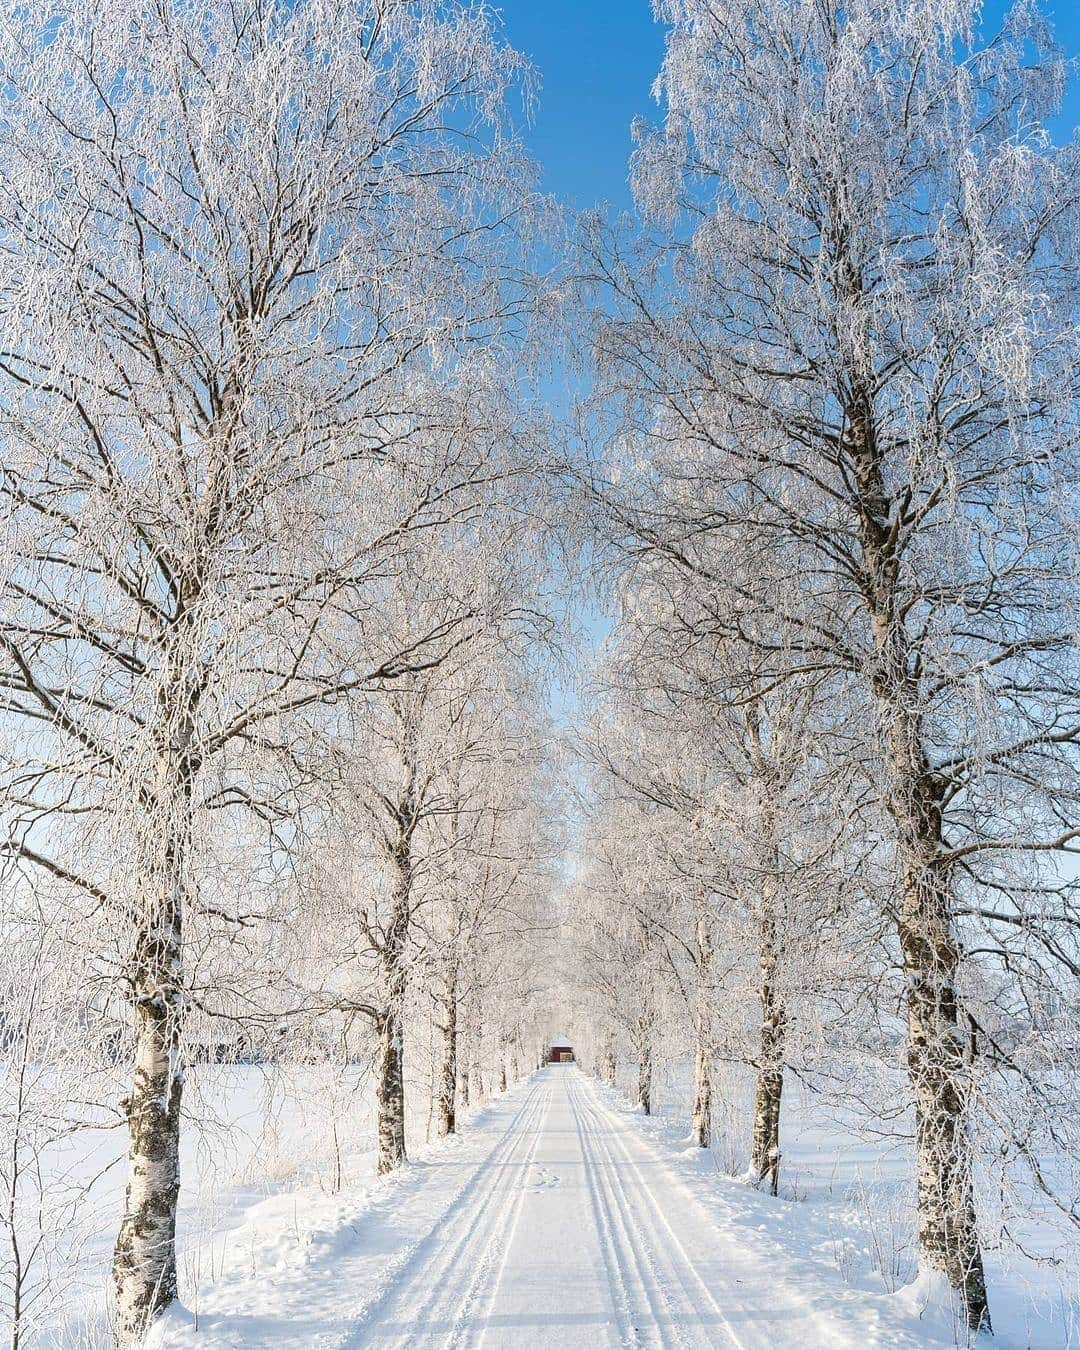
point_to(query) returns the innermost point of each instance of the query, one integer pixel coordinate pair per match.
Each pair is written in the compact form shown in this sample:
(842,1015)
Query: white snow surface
(560,1217)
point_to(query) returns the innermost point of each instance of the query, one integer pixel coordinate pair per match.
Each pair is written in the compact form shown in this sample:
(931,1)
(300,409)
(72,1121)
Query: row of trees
(274,551)
(835,740)
(271,748)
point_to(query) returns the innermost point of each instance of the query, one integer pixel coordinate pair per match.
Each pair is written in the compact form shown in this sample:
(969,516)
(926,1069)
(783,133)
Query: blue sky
(598,59)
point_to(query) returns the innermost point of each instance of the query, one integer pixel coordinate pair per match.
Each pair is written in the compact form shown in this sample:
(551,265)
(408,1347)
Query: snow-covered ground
(555,1221)
(845,1217)
(250,1132)
(559,1217)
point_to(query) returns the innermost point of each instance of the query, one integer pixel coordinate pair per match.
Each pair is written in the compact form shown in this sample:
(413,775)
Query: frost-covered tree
(618,937)
(726,747)
(254,257)
(483,914)
(853,342)
(403,859)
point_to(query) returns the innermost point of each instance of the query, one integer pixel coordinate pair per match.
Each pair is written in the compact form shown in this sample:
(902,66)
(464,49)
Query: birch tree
(246,249)
(718,740)
(616,935)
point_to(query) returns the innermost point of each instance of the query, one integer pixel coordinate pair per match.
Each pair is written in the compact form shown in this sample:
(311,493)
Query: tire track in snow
(495,1282)
(467,1229)
(609,1246)
(461,1249)
(649,1217)
(490,1267)
(647,1195)
(655,1310)
(658,1252)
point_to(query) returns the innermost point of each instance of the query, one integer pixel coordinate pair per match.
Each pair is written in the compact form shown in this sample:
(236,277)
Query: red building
(560,1054)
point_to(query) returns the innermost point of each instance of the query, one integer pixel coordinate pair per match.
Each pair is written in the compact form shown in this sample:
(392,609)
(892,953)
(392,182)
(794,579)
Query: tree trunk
(701,1126)
(702,1113)
(948,1233)
(645,1067)
(447,1086)
(144,1257)
(390,1080)
(390,1090)
(765,1143)
(610,1063)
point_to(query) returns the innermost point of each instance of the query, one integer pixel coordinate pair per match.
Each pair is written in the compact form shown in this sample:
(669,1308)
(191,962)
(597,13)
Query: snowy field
(252,1133)
(556,1196)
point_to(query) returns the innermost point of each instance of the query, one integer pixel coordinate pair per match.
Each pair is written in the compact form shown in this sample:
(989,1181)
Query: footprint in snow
(540,1179)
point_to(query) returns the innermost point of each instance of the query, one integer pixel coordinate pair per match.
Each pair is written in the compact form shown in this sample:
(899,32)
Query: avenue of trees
(289,531)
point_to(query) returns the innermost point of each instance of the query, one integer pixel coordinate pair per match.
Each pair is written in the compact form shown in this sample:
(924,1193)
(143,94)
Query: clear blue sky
(598,59)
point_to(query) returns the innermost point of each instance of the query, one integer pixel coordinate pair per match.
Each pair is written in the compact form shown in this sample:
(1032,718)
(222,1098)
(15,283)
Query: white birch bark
(390,1082)
(610,1062)
(144,1258)
(948,1233)
(701,1115)
(446,1088)
(769,1085)
(643,1038)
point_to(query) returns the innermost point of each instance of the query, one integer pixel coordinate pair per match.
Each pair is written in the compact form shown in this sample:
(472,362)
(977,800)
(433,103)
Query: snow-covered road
(556,1220)
(570,1233)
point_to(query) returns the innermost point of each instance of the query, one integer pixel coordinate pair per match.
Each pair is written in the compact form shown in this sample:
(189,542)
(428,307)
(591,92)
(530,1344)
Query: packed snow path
(570,1233)
(553,1222)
